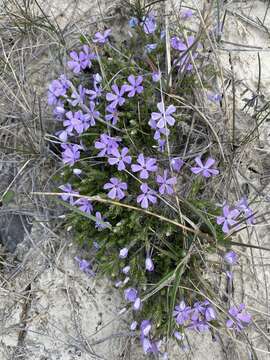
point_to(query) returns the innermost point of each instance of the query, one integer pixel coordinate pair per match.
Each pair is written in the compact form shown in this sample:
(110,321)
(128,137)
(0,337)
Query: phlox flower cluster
(198,317)
(138,176)
(232,215)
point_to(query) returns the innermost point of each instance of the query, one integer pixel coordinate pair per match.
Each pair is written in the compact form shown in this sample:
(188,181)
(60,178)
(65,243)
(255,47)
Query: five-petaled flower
(85,266)
(120,158)
(112,115)
(84,205)
(149,23)
(163,117)
(144,166)
(228,219)
(148,195)
(116,97)
(102,38)
(106,144)
(100,224)
(231,258)
(58,88)
(116,188)
(134,87)
(93,114)
(82,60)
(182,313)
(71,153)
(204,169)
(166,184)
(67,188)
(74,122)
(239,318)
(131,294)
(177,164)
(243,207)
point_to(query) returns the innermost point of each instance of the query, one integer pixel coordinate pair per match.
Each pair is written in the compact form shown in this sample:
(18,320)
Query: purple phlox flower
(85,266)
(182,313)
(116,97)
(59,110)
(240,318)
(134,85)
(149,23)
(95,93)
(164,117)
(120,158)
(149,347)
(228,219)
(123,253)
(204,169)
(178,44)
(161,145)
(150,47)
(177,164)
(158,131)
(67,188)
(149,265)
(106,144)
(144,166)
(231,258)
(243,207)
(71,153)
(92,114)
(199,325)
(126,269)
(179,336)
(166,184)
(133,22)
(130,294)
(78,96)
(58,88)
(156,76)
(186,14)
(82,60)
(84,205)
(214,97)
(133,325)
(145,327)
(100,224)
(203,311)
(210,313)
(112,116)
(74,122)
(148,195)
(102,38)
(137,304)
(116,188)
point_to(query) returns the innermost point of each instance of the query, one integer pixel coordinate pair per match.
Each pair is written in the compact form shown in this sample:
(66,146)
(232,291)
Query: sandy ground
(49,310)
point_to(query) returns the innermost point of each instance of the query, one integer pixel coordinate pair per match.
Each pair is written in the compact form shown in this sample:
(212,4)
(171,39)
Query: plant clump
(140,169)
